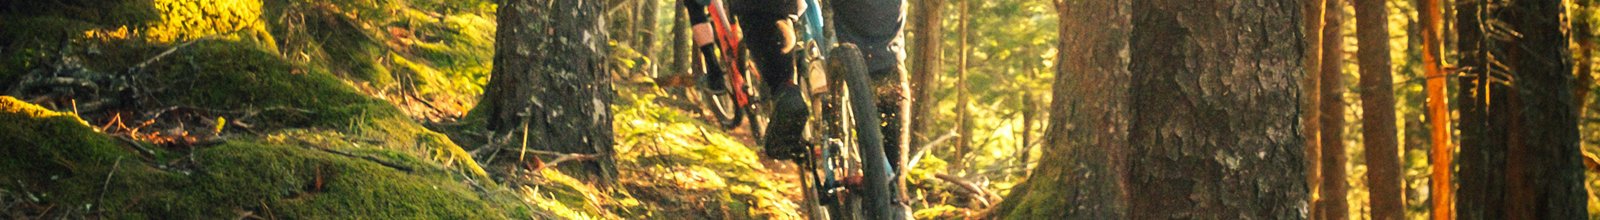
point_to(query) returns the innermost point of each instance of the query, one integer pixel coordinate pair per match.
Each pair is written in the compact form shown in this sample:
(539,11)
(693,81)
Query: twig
(570,157)
(364,157)
(169,51)
(107,184)
(144,152)
(916,157)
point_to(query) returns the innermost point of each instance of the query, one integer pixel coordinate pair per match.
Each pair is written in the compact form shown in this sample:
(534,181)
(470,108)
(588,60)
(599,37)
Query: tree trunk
(1082,171)
(1311,95)
(1208,72)
(1377,111)
(1441,154)
(647,37)
(963,116)
(1518,121)
(1332,204)
(680,42)
(926,66)
(1150,113)
(549,84)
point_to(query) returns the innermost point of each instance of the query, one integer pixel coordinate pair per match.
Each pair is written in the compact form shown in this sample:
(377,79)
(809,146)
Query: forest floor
(307,109)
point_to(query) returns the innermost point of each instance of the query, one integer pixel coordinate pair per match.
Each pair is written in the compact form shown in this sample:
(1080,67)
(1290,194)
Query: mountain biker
(874,26)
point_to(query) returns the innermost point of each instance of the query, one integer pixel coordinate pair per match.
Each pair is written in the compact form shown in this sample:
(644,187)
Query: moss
(102,12)
(248,79)
(440,50)
(64,162)
(59,142)
(677,160)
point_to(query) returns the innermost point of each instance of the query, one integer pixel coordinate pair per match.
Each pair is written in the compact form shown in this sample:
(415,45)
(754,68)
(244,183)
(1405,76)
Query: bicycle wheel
(874,194)
(722,106)
(757,111)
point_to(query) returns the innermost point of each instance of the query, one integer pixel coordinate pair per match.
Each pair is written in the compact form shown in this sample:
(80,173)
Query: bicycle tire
(756,112)
(846,61)
(720,106)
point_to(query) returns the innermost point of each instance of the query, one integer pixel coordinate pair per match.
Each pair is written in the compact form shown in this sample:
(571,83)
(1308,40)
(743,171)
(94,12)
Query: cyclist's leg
(769,42)
(703,39)
(875,26)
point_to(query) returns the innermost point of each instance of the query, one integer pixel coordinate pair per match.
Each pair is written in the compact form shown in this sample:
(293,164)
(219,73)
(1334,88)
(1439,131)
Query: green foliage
(1011,64)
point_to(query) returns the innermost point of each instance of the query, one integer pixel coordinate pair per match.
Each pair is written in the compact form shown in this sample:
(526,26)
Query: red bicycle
(737,105)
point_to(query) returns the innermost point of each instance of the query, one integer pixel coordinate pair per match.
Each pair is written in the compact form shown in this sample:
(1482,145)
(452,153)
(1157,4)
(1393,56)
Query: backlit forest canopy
(592,109)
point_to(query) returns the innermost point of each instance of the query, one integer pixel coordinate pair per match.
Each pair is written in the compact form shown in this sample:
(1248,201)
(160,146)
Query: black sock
(712,69)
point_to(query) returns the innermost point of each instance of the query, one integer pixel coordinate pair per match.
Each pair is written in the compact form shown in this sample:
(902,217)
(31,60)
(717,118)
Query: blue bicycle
(845,171)
(846,155)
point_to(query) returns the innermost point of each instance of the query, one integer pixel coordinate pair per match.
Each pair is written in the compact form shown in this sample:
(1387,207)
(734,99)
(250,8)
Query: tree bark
(926,66)
(1543,80)
(1082,171)
(1332,204)
(1215,109)
(1518,121)
(1151,112)
(1377,111)
(1441,154)
(549,85)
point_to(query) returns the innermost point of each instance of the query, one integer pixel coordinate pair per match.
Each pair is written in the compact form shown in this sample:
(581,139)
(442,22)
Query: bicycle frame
(730,42)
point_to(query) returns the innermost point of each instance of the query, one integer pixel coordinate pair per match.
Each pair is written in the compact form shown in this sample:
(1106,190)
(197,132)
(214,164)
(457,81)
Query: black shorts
(872,25)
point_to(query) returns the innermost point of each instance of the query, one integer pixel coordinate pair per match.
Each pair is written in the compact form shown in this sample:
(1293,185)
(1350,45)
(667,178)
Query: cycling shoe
(785,134)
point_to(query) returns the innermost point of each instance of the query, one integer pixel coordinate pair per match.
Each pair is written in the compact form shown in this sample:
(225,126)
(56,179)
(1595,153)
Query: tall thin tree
(963,140)
(1311,95)
(1332,204)
(1519,138)
(926,66)
(1377,110)
(1441,153)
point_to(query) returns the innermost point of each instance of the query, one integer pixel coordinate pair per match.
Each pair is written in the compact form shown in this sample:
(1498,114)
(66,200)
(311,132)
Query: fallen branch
(972,189)
(916,156)
(560,157)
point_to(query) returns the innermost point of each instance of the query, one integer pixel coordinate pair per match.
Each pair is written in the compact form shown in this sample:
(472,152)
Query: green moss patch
(239,77)
(58,160)
(684,168)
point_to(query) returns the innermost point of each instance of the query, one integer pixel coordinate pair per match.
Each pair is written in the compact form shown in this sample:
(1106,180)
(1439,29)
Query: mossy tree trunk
(1519,126)
(1082,171)
(549,87)
(1164,106)
(1377,110)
